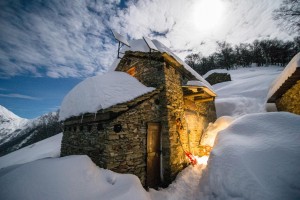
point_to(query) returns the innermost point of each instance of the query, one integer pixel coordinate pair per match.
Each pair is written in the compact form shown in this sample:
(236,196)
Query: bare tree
(193,59)
(288,15)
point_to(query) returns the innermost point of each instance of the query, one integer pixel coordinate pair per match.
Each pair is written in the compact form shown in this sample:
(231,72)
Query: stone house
(149,134)
(285,91)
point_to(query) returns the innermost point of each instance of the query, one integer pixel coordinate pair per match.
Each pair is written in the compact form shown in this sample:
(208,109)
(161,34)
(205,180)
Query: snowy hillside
(16,132)
(9,123)
(256,156)
(247,92)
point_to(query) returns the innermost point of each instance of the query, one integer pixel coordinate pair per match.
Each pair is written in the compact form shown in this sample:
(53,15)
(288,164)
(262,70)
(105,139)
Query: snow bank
(214,128)
(256,157)
(184,187)
(215,71)
(286,73)
(100,92)
(247,92)
(72,177)
(49,147)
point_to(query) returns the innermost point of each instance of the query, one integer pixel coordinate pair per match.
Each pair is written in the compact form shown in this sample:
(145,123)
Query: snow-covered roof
(201,85)
(100,92)
(140,45)
(293,65)
(195,83)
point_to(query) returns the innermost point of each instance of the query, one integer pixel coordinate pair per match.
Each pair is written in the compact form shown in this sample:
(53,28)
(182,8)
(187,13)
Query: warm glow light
(202,160)
(207,14)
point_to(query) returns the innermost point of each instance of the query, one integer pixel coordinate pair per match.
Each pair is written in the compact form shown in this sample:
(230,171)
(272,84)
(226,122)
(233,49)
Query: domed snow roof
(100,92)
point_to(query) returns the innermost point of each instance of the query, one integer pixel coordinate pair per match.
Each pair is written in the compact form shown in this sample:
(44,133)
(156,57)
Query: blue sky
(47,47)
(30,97)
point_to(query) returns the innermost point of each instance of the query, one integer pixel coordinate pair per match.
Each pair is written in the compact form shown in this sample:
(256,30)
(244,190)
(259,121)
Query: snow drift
(72,177)
(256,157)
(49,147)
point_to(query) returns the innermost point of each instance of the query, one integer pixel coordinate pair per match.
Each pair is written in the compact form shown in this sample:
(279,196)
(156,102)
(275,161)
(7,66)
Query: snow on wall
(100,92)
(286,73)
(215,71)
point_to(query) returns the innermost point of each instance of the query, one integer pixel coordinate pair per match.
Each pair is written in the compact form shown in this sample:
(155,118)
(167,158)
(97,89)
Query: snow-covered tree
(288,15)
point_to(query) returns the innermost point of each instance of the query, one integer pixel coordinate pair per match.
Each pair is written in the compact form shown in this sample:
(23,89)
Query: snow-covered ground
(49,147)
(247,92)
(256,156)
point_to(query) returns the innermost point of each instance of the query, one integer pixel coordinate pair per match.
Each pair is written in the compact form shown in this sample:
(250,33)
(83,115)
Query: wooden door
(153,155)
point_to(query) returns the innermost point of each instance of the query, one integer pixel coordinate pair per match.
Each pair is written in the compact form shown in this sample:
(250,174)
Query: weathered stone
(290,100)
(215,78)
(181,120)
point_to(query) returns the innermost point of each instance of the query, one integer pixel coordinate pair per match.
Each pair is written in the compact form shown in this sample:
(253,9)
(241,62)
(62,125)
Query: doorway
(153,154)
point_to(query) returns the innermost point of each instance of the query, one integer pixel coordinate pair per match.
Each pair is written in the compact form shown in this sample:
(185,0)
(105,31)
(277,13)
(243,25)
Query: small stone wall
(215,78)
(186,120)
(127,149)
(148,67)
(290,101)
(123,152)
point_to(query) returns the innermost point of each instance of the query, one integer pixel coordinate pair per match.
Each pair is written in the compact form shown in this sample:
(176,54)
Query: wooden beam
(204,100)
(194,94)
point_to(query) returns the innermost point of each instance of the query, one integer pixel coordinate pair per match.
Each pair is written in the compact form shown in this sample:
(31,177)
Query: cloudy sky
(46,47)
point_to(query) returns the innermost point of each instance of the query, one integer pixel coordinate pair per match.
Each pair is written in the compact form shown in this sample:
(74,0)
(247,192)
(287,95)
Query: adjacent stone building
(149,134)
(285,91)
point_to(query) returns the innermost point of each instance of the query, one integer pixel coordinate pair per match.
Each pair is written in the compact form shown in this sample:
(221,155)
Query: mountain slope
(9,123)
(16,132)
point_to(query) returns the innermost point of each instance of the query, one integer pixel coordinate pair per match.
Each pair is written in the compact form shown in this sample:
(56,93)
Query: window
(131,71)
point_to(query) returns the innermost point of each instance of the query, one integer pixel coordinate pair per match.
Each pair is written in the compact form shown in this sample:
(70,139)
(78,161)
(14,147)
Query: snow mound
(256,157)
(286,73)
(214,128)
(49,147)
(247,92)
(215,71)
(72,177)
(184,187)
(100,92)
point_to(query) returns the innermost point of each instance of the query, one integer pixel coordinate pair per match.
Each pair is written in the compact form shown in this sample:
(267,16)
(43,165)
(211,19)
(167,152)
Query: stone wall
(182,123)
(215,78)
(148,67)
(186,121)
(123,152)
(85,139)
(127,149)
(290,101)
(177,135)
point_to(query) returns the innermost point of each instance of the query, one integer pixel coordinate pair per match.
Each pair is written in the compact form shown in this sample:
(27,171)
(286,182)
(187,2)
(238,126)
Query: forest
(259,52)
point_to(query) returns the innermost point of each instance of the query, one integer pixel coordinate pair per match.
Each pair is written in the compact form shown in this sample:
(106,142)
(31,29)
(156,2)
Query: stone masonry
(290,100)
(124,150)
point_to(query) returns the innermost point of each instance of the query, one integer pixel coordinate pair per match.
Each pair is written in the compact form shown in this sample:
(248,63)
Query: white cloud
(241,21)
(72,38)
(20,96)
